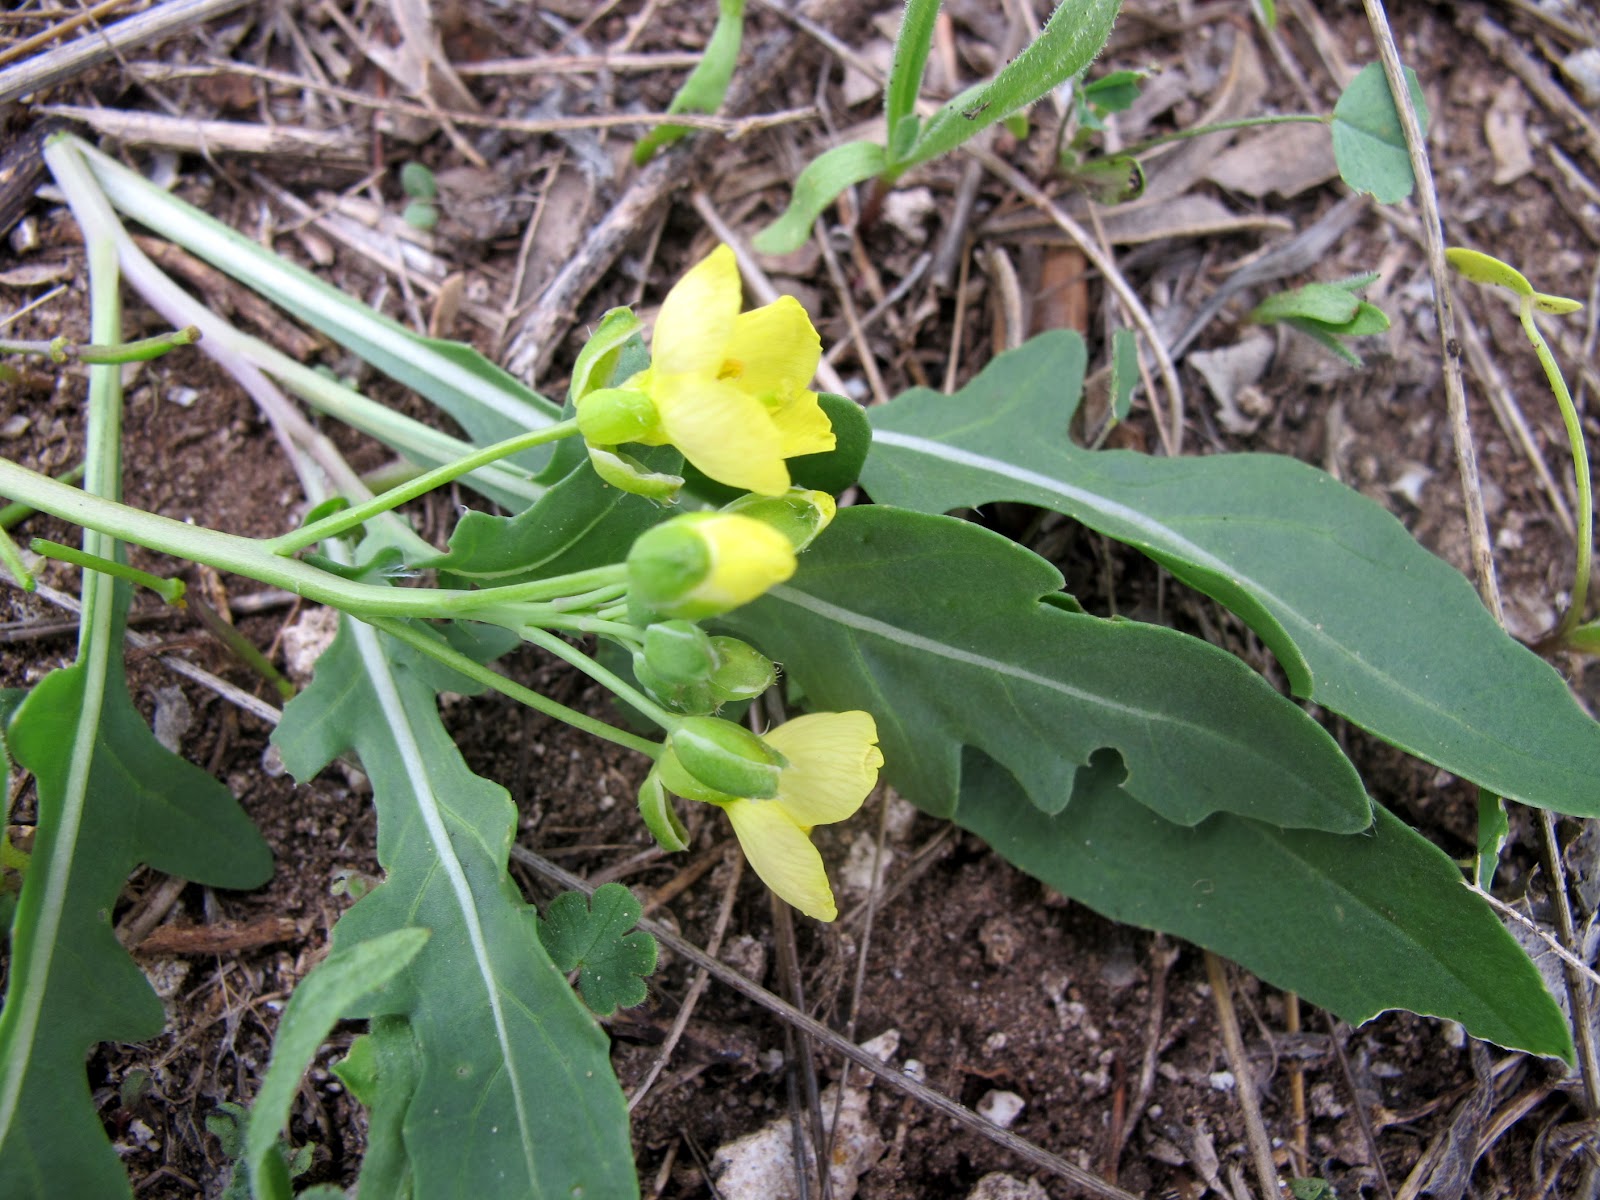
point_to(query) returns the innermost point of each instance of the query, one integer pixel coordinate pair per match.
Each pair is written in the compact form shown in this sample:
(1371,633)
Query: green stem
(607,679)
(535,591)
(241,555)
(60,350)
(14,514)
(11,559)
(1180,135)
(350,518)
(454,659)
(170,590)
(243,648)
(1580,470)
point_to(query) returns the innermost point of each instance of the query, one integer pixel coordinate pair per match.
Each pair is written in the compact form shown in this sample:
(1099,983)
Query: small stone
(916,1070)
(306,639)
(997,1185)
(1000,941)
(1582,69)
(1001,1108)
(883,1047)
(1221,1081)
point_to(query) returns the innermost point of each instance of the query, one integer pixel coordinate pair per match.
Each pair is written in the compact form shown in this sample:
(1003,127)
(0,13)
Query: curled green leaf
(818,186)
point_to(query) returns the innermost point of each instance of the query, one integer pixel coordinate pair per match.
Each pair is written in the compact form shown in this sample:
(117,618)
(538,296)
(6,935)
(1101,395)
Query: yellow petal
(803,426)
(783,856)
(724,432)
(697,317)
(773,350)
(748,557)
(833,764)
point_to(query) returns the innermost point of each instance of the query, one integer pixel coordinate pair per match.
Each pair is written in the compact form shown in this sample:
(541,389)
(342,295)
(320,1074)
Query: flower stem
(170,590)
(607,679)
(489,677)
(1180,135)
(349,518)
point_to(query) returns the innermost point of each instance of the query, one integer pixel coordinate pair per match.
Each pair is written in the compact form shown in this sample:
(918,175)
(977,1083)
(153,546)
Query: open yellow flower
(731,388)
(832,764)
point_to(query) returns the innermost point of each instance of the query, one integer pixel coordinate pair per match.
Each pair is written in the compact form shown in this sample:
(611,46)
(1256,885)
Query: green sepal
(655,806)
(726,758)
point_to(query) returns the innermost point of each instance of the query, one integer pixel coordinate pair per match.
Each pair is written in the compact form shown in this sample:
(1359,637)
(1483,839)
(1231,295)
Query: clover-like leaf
(1368,143)
(593,939)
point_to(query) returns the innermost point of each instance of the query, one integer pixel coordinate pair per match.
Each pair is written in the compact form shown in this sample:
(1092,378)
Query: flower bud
(695,699)
(742,672)
(800,515)
(611,416)
(679,652)
(704,564)
(722,758)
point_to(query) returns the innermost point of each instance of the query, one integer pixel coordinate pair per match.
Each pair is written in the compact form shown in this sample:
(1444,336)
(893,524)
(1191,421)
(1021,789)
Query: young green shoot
(1485,269)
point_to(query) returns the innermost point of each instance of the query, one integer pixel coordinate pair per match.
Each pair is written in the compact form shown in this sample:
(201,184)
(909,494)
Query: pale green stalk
(607,679)
(457,661)
(247,557)
(356,515)
(1580,467)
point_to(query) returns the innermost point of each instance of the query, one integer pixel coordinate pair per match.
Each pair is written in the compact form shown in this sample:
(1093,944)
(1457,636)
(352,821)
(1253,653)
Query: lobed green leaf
(953,636)
(110,797)
(1363,620)
(591,936)
(1356,924)
(514,1092)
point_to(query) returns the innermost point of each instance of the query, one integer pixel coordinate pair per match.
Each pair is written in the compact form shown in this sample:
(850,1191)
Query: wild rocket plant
(674,531)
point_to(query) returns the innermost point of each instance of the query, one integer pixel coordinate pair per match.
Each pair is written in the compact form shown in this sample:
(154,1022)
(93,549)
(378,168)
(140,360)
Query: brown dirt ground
(991,982)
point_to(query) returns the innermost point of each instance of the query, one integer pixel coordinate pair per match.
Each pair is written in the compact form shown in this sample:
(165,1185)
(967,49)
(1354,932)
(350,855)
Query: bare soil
(992,983)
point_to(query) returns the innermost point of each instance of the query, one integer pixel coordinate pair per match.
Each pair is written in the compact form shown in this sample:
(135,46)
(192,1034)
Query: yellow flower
(833,761)
(730,388)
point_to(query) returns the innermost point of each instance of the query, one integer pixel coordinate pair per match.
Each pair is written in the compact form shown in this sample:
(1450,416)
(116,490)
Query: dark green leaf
(1071,38)
(937,628)
(1363,620)
(592,938)
(579,523)
(1368,143)
(1354,923)
(110,797)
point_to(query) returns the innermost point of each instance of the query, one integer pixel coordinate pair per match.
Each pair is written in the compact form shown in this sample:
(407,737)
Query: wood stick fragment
(218,137)
(54,66)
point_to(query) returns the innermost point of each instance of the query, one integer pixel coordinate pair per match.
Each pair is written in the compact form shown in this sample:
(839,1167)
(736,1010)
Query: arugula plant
(1143,771)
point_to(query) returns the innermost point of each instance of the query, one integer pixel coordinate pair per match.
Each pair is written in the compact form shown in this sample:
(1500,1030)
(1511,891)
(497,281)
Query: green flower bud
(704,564)
(679,652)
(724,758)
(611,416)
(695,699)
(798,514)
(742,672)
